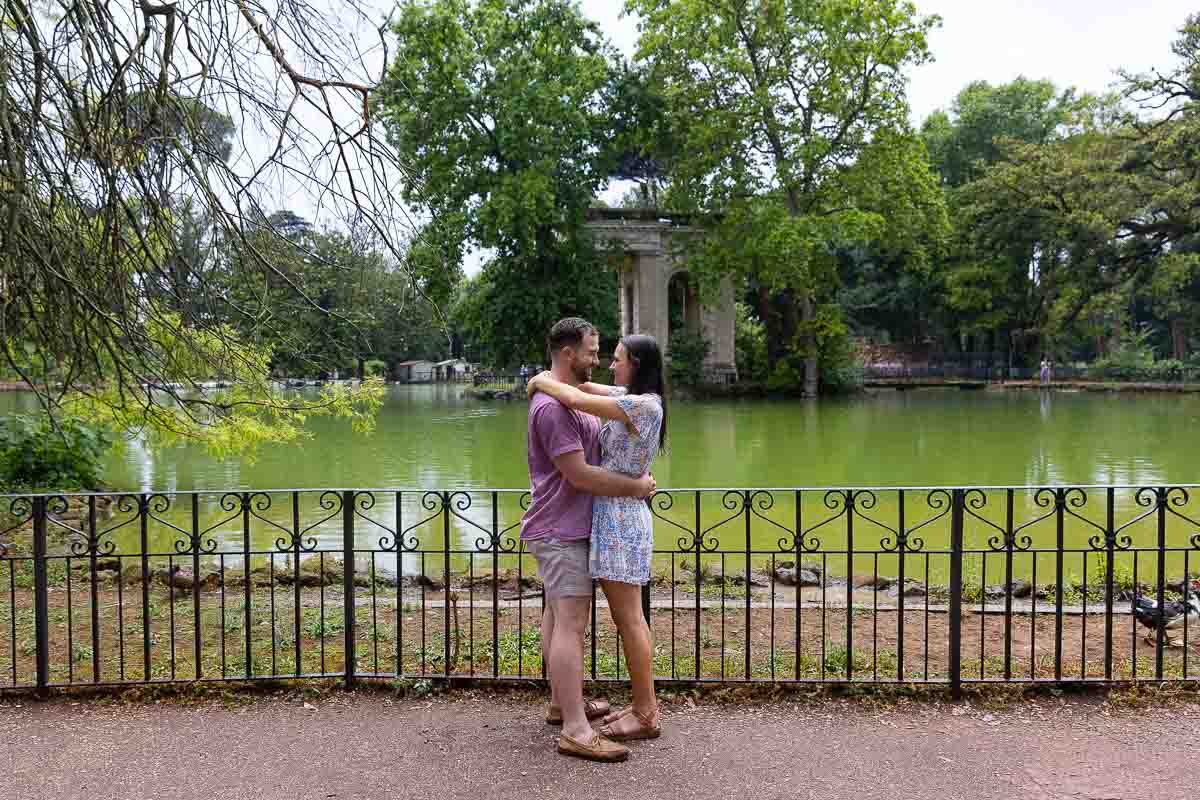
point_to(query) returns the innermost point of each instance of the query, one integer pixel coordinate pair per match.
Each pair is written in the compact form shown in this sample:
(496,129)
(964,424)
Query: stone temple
(657,295)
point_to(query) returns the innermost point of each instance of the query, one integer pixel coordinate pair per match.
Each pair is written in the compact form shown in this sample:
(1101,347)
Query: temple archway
(657,295)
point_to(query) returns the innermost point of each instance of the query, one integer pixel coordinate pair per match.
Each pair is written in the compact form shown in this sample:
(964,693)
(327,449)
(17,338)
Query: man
(564,473)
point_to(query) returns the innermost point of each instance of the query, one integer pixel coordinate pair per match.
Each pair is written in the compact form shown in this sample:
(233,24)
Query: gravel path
(368,746)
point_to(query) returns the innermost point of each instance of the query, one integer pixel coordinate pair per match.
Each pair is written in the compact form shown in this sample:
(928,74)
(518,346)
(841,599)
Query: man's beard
(582,373)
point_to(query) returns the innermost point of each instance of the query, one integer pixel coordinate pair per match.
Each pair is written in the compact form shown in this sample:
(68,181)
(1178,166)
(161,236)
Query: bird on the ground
(1173,615)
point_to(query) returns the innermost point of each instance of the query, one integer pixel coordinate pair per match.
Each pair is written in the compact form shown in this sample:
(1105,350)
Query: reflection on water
(430,437)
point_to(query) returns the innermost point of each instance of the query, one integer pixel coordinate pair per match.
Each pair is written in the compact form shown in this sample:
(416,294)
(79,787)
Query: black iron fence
(936,585)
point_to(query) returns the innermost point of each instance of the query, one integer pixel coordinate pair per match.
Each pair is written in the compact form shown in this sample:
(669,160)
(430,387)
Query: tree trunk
(782,314)
(1179,339)
(812,375)
(766,312)
(361,368)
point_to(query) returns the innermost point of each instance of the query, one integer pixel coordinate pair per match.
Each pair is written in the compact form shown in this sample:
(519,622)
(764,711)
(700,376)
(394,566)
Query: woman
(622,531)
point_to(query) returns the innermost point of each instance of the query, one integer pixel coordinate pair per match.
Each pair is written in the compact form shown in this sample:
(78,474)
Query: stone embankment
(511,584)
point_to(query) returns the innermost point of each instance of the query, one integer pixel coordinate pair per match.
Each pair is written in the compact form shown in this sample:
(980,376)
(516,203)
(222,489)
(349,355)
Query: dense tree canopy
(791,129)
(1067,222)
(501,110)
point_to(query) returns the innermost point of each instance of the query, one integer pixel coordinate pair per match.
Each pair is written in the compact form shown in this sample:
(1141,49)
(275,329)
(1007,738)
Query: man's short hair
(568,332)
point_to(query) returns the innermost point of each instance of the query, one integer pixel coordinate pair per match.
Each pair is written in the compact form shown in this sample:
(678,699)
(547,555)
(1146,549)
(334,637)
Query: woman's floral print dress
(622,529)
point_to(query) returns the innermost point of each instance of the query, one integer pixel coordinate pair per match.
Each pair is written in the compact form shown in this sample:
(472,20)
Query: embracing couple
(590,451)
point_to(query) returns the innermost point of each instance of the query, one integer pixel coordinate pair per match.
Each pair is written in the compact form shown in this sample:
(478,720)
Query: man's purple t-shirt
(557,509)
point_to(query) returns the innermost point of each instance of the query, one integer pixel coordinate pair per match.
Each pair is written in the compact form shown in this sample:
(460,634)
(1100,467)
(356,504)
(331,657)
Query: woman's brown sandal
(591,708)
(649,727)
(616,715)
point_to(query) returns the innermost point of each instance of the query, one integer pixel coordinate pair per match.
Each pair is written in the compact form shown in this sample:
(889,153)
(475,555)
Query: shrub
(750,341)
(36,454)
(841,369)
(374,368)
(688,352)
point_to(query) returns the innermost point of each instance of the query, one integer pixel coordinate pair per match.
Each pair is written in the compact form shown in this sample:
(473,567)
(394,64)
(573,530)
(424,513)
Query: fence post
(348,584)
(956,556)
(646,603)
(446,582)
(40,596)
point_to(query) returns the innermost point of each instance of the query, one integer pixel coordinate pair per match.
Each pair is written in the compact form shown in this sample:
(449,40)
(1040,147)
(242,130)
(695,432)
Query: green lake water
(431,438)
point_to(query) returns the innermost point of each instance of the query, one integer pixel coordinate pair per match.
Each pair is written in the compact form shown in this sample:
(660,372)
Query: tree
(510,314)
(784,115)
(987,295)
(111,120)
(1041,225)
(499,110)
(1074,229)
(1174,296)
(964,141)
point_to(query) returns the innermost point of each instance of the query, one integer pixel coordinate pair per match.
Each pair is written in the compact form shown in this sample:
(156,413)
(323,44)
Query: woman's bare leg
(625,605)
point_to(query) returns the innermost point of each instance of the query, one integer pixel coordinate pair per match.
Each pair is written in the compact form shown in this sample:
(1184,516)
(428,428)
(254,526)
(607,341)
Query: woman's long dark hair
(647,374)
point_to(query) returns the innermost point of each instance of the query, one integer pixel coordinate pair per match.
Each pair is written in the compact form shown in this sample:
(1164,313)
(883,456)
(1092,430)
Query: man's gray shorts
(562,566)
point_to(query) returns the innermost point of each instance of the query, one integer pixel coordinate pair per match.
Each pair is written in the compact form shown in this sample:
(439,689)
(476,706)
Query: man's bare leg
(547,638)
(566,664)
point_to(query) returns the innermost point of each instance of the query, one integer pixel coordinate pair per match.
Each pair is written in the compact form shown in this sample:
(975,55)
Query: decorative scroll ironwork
(665,501)
(460,501)
(96,542)
(861,499)
(1077,498)
(919,509)
(732,500)
(57,507)
(258,503)
(232,503)
(296,542)
(21,510)
(1178,496)
(510,545)
(1052,499)
(761,500)
(1113,540)
(402,540)
(833,500)
(975,500)
(940,501)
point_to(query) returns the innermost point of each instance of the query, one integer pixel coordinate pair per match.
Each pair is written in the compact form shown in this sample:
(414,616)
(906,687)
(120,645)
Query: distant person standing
(524,373)
(1045,372)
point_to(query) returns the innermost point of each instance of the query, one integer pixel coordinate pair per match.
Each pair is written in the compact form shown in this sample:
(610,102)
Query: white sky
(1072,42)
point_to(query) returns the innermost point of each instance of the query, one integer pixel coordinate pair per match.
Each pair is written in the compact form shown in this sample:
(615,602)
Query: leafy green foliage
(686,360)
(508,311)
(964,141)
(500,110)
(38,454)
(129,238)
(1074,216)
(750,342)
(1133,359)
(790,123)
